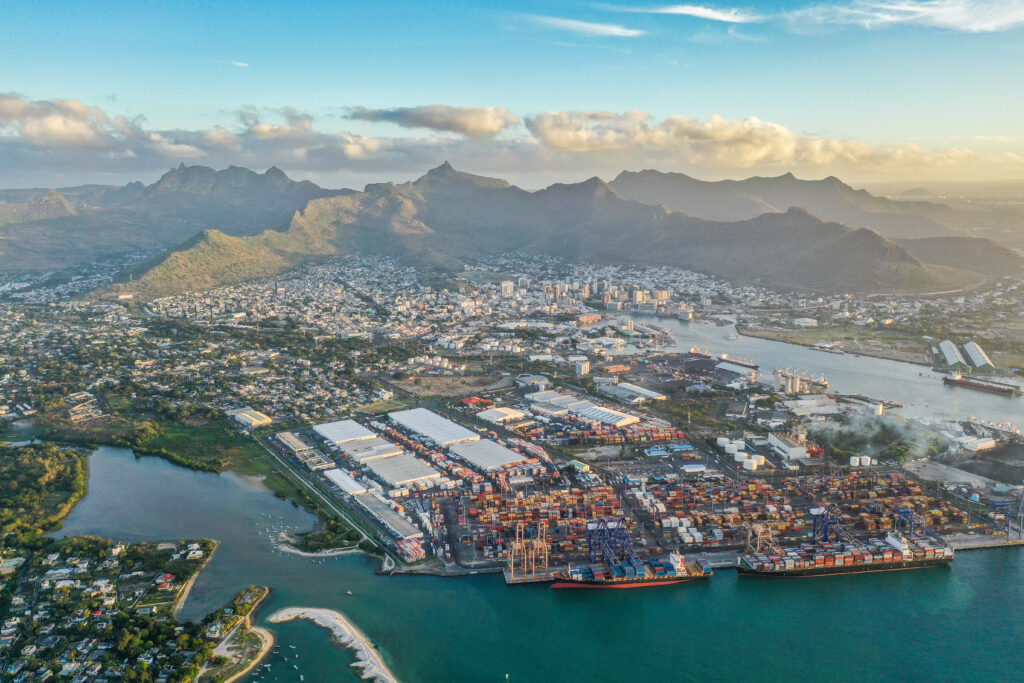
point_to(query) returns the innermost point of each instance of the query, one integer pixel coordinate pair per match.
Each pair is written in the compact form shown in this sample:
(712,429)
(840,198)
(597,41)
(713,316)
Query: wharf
(540,576)
(961,542)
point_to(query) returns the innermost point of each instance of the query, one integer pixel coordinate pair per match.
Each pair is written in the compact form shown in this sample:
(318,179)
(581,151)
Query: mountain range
(219,227)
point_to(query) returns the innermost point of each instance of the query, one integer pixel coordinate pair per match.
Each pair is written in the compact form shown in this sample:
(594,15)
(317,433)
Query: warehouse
(432,426)
(952,357)
(394,522)
(979,359)
(403,470)
(345,481)
(607,416)
(252,418)
(486,455)
(343,431)
(500,416)
(365,450)
(294,443)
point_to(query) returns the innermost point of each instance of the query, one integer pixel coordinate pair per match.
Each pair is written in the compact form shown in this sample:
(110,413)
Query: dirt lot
(453,386)
(1004,464)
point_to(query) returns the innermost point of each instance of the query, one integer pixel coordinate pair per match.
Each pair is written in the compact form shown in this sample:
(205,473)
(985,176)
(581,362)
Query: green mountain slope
(447,217)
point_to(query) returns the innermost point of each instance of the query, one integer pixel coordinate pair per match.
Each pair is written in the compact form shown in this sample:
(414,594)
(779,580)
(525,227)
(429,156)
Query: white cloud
(971,16)
(242,65)
(475,122)
(588,28)
(731,15)
(49,142)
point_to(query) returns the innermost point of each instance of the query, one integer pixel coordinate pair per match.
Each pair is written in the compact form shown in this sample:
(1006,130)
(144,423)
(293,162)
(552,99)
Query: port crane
(609,539)
(828,527)
(529,552)
(1004,513)
(760,539)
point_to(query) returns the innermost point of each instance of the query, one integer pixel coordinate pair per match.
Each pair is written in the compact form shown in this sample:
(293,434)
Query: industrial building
(554,404)
(787,447)
(293,443)
(500,416)
(345,481)
(252,418)
(630,393)
(486,455)
(403,470)
(343,431)
(365,450)
(386,515)
(978,358)
(432,426)
(951,356)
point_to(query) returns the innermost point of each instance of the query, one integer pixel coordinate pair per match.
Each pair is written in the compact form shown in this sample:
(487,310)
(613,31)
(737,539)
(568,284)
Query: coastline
(346,634)
(266,640)
(769,336)
(179,602)
(284,544)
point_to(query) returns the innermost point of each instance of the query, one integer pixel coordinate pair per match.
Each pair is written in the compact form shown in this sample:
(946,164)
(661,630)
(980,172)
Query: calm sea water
(956,623)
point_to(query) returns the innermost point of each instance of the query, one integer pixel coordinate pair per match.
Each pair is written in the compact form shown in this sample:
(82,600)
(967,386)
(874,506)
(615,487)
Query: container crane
(609,539)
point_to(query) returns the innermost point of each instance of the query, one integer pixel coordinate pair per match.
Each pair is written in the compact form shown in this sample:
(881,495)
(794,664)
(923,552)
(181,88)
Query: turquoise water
(961,622)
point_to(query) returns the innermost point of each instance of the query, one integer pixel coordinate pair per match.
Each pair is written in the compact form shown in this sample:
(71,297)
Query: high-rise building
(508,288)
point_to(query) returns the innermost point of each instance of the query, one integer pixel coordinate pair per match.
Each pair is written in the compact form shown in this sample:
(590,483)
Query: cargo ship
(988,385)
(634,574)
(750,365)
(895,552)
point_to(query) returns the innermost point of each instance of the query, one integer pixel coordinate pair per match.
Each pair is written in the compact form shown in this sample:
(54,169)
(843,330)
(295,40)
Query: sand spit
(368,660)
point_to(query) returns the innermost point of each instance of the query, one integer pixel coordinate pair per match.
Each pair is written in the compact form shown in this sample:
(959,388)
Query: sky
(346,93)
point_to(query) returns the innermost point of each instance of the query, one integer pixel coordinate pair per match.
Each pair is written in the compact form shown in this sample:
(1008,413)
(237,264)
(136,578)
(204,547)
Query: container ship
(990,386)
(632,574)
(894,552)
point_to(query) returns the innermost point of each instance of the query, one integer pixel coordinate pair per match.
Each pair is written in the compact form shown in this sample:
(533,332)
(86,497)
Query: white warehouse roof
(501,415)
(977,355)
(486,454)
(608,416)
(342,431)
(344,481)
(951,354)
(364,450)
(440,430)
(402,470)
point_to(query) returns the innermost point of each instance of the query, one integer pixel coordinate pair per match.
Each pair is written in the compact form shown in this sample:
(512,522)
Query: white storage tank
(730,448)
(739,456)
(749,465)
(722,442)
(759,459)
(740,445)
(854,461)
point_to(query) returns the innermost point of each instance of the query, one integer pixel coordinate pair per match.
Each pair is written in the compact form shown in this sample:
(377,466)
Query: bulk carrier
(978,384)
(834,551)
(630,574)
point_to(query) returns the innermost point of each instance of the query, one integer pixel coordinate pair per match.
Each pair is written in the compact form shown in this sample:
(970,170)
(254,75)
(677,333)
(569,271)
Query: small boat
(348,592)
(292,646)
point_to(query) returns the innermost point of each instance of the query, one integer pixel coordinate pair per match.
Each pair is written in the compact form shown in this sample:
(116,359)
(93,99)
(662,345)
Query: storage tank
(722,442)
(730,448)
(749,465)
(854,461)
(759,459)
(740,445)
(739,456)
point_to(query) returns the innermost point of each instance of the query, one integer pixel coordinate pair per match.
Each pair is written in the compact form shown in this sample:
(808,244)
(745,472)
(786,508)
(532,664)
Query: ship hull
(978,386)
(563,581)
(811,572)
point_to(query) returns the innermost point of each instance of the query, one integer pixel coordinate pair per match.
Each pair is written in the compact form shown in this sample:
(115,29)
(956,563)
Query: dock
(961,542)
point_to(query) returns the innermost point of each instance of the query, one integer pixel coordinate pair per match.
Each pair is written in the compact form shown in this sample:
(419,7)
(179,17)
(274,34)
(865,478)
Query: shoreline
(179,602)
(768,336)
(267,640)
(345,634)
(284,544)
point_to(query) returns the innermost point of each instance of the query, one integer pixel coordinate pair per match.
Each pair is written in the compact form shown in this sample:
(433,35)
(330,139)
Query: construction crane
(609,539)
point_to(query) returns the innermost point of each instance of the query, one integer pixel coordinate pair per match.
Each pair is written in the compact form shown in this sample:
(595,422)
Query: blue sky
(894,88)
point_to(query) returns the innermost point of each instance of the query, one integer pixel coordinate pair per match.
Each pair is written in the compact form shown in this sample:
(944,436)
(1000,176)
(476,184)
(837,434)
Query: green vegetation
(329,534)
(887,440)
(39,484)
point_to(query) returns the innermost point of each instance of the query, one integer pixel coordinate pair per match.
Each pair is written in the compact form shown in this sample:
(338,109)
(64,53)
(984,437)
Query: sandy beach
(179,602)
(368,660)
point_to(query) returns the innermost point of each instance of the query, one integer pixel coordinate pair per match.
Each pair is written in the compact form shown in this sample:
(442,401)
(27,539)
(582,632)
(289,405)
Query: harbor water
(959,622)
(917,387)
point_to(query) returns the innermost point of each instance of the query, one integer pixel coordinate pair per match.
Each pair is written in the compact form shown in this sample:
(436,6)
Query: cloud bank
(587,27)
(731,15)
(477,122)
(60,141)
